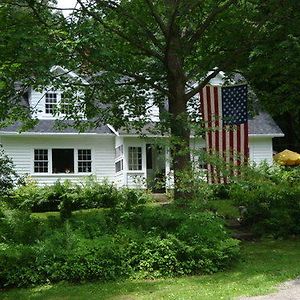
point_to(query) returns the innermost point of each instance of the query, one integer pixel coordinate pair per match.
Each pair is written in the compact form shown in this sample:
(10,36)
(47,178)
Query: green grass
(264,265)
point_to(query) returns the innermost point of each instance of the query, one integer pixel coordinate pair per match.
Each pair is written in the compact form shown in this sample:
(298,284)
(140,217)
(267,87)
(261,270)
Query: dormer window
(65,105)
(50,102)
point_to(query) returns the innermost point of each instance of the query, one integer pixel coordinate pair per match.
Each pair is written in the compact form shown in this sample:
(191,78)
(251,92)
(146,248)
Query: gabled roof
(48,127)
(263,124)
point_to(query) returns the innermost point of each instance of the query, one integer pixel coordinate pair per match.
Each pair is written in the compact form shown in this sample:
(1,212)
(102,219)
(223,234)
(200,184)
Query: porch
(145,163)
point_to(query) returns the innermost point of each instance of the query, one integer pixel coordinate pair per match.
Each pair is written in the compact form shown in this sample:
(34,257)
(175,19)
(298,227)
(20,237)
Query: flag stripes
(224,138)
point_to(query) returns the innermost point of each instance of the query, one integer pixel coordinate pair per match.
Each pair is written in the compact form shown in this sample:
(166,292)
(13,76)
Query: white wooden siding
(37,103)
(261,149)
(21,150)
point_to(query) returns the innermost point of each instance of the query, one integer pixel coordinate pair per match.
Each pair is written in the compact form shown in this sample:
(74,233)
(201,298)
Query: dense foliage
(271,198)
(136,241)
(67,196)
(141,52)
(8,176)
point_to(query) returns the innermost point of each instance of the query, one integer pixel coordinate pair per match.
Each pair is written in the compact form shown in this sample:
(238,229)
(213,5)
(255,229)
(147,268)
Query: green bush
(67,197)
(272,200)
(8,176)
(19,227)
(156,242)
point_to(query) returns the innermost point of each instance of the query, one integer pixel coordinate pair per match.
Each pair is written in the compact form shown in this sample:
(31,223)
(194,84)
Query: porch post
(167,166)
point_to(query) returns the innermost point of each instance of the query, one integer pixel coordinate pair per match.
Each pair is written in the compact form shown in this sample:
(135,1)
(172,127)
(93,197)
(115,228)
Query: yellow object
(287,158)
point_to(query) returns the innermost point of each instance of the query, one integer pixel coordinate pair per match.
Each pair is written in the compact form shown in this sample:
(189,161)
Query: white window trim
(142,157)
(76,160)
(76,173)
(33,161)
(119,158)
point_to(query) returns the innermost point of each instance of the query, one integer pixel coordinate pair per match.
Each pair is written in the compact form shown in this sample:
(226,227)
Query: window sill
(60,174)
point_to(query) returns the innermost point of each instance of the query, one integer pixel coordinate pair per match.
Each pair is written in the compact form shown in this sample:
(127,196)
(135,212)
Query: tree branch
(135,43)
(141,79)
(157,17)
(201,85)
(198,33)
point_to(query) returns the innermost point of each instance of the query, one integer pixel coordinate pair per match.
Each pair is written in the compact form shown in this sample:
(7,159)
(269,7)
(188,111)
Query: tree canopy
(129,50)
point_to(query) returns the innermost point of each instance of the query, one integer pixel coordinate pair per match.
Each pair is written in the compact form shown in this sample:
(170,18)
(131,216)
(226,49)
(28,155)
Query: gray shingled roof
(263,124)
(48,126)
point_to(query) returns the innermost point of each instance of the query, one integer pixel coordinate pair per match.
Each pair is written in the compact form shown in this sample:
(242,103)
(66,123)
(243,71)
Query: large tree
(165,49)
(273,72)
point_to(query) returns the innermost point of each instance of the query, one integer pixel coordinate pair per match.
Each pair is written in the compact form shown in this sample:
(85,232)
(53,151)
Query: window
(84,161)
(50,102)
(119,151)
(62,161)
(65,105)
(119,158)
(135,158)
(40,161)
(119,166)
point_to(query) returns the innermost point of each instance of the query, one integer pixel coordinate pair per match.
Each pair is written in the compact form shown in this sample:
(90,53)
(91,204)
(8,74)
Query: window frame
(84,161)
(119,158)
(73,163)
(49,173)
(138,165)
(39,160)
(53,105)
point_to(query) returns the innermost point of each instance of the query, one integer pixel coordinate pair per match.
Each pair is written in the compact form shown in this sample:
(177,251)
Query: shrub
(67,197)
(8,176)
(155,243)
(272,201)
(19,227)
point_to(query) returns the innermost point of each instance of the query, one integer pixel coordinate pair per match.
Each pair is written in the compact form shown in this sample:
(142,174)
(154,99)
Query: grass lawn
(264,265)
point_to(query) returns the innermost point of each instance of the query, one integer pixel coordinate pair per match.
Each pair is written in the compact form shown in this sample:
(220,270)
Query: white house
(48,154)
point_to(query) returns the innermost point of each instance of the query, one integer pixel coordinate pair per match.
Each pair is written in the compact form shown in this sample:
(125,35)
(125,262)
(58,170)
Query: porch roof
(50,126)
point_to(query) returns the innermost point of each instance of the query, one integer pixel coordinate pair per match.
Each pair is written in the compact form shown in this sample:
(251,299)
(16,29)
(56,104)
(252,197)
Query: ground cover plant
(263,265)
(270,197)
(127,240)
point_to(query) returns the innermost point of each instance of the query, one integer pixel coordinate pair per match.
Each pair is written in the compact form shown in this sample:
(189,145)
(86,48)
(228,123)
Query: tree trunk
(180,131)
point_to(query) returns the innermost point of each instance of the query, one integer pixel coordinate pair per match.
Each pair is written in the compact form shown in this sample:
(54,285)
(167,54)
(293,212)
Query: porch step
(161,198)
(238,231)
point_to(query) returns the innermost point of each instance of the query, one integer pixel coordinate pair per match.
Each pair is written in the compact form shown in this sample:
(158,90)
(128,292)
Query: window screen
(62,160)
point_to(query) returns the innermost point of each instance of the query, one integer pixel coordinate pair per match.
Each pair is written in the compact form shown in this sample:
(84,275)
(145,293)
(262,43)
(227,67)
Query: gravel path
(290,290)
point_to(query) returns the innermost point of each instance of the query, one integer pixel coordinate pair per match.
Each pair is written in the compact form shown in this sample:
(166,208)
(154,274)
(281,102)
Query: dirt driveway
(288,291)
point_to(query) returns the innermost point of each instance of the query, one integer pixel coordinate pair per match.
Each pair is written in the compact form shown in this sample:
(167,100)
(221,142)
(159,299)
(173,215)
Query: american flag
(224,111)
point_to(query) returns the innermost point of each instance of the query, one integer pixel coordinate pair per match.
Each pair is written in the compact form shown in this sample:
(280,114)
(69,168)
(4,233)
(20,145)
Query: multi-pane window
(119,166)
(50,102)
(65,105)
(119,158)
(84,160)
(119,151)
(40,161)
(135,158)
